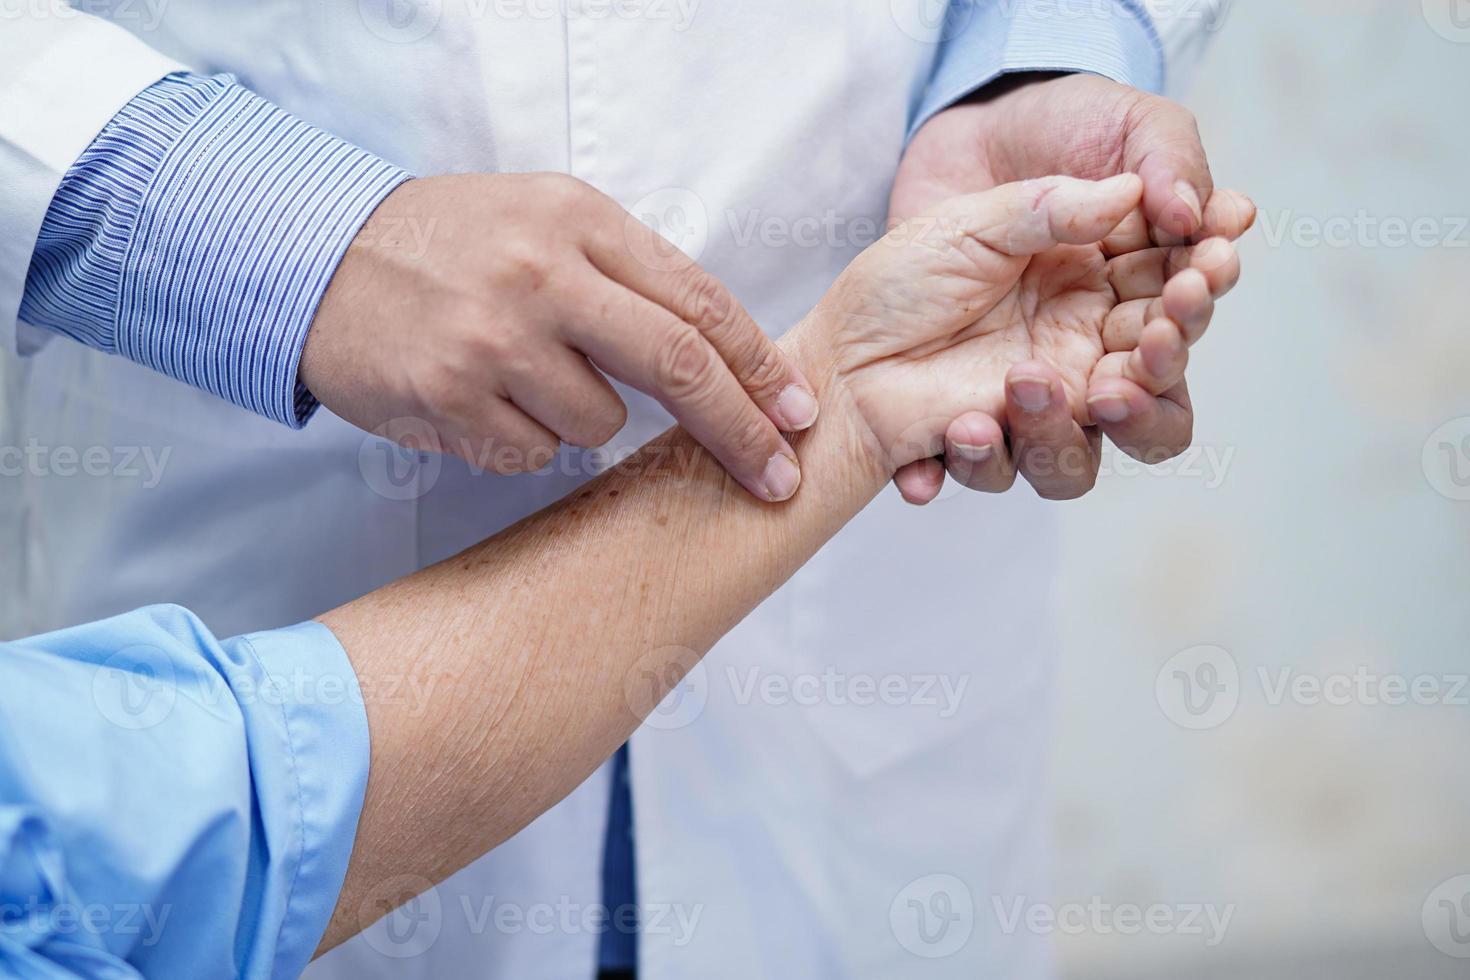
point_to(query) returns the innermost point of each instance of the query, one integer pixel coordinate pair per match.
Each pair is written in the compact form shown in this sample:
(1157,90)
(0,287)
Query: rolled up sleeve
(172,804)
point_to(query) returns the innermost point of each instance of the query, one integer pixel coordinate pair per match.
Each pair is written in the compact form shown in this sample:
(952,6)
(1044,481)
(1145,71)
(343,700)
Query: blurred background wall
(1264,709)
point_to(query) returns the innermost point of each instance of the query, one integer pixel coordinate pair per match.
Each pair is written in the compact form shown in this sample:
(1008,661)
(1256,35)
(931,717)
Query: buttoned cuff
(983,40)
(197,236)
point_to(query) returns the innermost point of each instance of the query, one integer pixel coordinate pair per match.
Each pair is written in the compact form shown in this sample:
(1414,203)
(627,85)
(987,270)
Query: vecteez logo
(933,917)
(1446,917)
(401,21)
(1199,688)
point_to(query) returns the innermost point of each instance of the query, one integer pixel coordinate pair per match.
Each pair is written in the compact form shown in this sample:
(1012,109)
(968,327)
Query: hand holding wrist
(485,309)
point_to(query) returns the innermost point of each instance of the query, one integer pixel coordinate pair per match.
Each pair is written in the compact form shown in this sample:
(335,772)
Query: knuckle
(707,304)
(522,265)
(764,371)
(980,478)
(747,436)
(503,346)
(1001,484)
(684,367)
(437,381)
(601,426)
(1167,125)
(563,191)
(529,454)
(1064,474)
(439,389)
(1160,110)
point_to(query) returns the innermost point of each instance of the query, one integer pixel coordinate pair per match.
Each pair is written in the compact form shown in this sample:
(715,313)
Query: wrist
(842,437)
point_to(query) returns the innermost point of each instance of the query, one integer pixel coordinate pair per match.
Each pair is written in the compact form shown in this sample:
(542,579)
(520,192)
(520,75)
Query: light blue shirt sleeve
(981,40)
(172,805)
(197,235)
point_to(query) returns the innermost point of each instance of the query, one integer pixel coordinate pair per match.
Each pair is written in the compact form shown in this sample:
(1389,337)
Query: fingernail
(1032,394)
(781,479)
(797,408)
(973,454)
(1250,204)
(1185,191)
(1109,408)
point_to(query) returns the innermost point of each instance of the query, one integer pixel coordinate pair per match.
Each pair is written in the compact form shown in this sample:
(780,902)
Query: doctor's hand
(1000,314)
(1085,126)
(490,306)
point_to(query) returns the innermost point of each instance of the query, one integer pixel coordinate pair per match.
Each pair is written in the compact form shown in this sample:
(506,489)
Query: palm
(936,332)
(1088,127)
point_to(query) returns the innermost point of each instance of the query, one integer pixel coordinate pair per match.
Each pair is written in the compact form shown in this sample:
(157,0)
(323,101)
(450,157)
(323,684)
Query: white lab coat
(851,784)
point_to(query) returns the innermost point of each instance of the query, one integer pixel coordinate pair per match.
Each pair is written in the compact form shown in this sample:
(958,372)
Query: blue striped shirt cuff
(985,39)
(197,235)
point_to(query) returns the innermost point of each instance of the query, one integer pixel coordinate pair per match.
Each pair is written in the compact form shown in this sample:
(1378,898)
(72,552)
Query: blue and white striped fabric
(985,39)
(196,236)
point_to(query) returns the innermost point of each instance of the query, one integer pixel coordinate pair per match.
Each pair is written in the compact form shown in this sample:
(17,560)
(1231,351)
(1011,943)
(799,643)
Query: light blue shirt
(172,805)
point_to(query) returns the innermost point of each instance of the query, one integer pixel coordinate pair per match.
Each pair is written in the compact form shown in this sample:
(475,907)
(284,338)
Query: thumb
(1163,147)
(1032,216)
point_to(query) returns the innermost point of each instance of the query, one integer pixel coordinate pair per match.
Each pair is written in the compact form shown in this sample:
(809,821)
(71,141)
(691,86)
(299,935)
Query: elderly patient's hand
(1028,126)
(1011,288)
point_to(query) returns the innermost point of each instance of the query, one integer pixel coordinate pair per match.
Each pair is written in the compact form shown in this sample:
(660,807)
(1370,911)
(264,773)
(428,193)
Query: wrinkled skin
(1013,296)
(1027,126)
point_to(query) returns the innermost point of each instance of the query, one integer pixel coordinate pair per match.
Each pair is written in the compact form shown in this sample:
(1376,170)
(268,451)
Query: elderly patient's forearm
(541,628)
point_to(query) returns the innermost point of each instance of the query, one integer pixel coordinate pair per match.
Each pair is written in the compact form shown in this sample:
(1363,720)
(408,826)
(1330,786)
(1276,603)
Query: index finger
(645,262)
(643,344)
